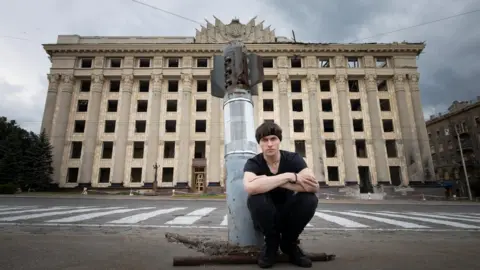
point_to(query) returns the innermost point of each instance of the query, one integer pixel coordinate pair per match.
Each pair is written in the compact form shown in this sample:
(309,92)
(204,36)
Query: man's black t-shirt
(290,162)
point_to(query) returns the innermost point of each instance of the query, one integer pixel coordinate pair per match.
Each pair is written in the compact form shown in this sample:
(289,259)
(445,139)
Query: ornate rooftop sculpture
(222,33)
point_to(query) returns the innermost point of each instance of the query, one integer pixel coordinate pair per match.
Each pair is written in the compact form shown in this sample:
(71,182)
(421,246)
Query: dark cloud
(450,65)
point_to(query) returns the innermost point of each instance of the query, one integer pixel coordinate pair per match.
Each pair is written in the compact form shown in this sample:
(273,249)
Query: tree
(38,163)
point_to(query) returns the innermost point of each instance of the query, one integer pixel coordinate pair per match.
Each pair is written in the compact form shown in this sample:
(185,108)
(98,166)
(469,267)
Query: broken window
(72,175)
(296,62)
(112,105)
(353,86)
(107,151)
(170,126)
(86,62)
(358,125)
(296,86)
(199,151)
(356,105)
(135,175)
(324,62)
(144,62)
(172,105)
(76,151)
(331,148)
(110,126)
(201,105)
(172,86)
(387,125)
(114,85)
(202,86)
(328,125)
(202,62)
(115,62)
(300,147)
(142,105)
(138,149)
(333,173)
(327,105)
(267,62)
(173,62)
(82,105)
(382,85)
(395,175)
(391,146)
(144,85)
(167,175)
(298,125)
(297,105)
(169,149)
(267,86)
(79,126)
(353,62)
(200,125)
(104,175)
(268,105)
(325,85)
(385,105)
(85,85)
(361,147)
(140,126)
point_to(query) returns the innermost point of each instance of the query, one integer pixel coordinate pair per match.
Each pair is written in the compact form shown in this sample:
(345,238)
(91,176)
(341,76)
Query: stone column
(347,142)
(317,141)
(61,125)
(154,127)
(91,129)
(50,103)
(422,134)
(184,153)
(379,148)
(122,131)
(214,159)
(284,111)
(410,145)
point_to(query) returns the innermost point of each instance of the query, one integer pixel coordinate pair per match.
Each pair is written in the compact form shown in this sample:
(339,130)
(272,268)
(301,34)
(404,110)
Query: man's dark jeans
(288,219)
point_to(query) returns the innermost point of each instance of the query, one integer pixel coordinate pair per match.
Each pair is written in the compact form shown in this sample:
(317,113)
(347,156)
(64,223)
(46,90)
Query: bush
(9,188)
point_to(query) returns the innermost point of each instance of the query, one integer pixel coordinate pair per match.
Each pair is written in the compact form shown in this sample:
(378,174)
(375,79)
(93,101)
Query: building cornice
(296,48)
(448,115)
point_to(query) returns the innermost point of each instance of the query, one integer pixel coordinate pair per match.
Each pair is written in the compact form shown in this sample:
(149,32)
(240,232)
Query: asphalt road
(86,233)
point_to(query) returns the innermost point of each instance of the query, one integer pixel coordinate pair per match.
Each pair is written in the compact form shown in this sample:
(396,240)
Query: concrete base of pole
(240,145)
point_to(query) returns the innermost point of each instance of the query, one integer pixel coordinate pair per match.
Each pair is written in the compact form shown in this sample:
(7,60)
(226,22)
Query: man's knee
(258,201)
(307,200)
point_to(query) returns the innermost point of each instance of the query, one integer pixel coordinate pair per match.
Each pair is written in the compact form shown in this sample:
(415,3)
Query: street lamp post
(463,164)
(155,184)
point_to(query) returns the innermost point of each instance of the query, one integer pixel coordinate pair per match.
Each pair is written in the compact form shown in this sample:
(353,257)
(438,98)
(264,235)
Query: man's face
(270,145)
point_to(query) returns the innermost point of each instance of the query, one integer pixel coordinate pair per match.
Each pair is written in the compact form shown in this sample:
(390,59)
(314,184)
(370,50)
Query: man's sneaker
(268,255)
(296,255)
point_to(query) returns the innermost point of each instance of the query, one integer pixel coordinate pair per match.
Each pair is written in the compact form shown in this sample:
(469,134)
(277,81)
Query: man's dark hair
(267,129)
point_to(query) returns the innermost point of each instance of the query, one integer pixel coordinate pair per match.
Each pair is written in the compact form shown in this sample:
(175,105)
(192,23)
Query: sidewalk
(170,198)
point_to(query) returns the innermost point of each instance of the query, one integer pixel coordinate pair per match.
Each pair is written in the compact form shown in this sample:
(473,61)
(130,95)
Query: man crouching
(281,199)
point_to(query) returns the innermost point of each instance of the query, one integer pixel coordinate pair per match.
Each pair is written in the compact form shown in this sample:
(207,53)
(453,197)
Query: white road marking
(443,222)
(472,216)
(94,215)
(144,216)
(191,217)
(224,221)
(36,210)
(13,208)
(402,224)
(340,221)
(53,214)
(443,217)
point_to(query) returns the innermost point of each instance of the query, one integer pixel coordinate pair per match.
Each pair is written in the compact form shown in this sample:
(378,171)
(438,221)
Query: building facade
(462,121)
(117,106)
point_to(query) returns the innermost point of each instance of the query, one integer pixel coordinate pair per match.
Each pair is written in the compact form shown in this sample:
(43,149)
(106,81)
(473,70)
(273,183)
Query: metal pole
(463,164)
(240,145)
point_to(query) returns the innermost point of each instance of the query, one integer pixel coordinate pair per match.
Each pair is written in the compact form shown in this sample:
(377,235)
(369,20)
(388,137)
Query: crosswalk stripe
(340,221)
(53,213)
(224,221)
(94,215)
(144,216)
(444,217)
(443,222)
(35,210)
(12,208)
(460,215)
(402,224)
(191,217)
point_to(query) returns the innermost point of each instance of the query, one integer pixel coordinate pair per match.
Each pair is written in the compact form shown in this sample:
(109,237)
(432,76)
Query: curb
(165,198)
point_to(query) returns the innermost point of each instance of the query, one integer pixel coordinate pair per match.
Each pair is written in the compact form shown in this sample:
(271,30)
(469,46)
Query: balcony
(466,145)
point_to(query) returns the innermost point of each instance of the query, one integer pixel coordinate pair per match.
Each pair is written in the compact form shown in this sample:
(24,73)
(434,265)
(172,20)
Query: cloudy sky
(449,67)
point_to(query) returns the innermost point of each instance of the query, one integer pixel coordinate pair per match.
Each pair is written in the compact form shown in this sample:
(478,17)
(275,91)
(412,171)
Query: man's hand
(307,180)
